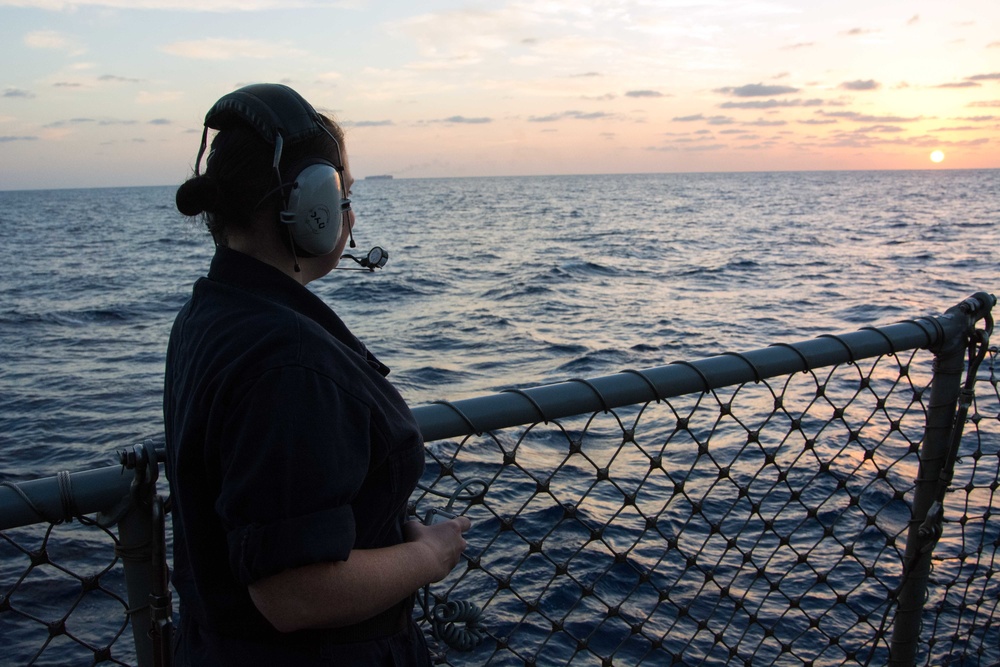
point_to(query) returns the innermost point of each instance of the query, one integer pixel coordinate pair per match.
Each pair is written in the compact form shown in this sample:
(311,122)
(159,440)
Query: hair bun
(197,195)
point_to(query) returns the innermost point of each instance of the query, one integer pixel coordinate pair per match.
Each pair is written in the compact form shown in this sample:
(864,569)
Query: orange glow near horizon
(509,88)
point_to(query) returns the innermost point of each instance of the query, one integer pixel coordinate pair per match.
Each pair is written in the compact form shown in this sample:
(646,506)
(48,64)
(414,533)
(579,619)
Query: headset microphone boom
(375,259)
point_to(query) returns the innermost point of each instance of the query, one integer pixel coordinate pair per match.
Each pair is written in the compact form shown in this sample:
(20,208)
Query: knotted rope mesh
(62,596)
(762,523)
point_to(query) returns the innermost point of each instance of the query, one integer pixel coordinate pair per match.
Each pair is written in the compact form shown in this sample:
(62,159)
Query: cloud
(160,121)
(706,147)
(959,84)
(760,122)
(367,123)
(221,48)
(970,142)
(958,128)
(984,103)
(711,120)
(700,143)
(864,118)
(464,120)
(880,128)
(757,147)
(644,93)
(993,76)
(798,45)
(866,141)
(464,36)
(111,78)
(9,139)
(578,115)
(104,122)
(993,45)
(915,19)
(757,90)
(49,39)
(18,92)
(68,123)
(861,84)
(859,31)
(777,104)
(817,121)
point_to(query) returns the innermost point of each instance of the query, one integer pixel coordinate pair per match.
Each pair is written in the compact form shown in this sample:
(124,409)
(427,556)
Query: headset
(314,199)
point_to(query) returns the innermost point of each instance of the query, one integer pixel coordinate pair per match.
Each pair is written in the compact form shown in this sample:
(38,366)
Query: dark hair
(239,179)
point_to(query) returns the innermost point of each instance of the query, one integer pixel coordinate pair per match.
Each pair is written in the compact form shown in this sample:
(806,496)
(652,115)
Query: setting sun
(937,156)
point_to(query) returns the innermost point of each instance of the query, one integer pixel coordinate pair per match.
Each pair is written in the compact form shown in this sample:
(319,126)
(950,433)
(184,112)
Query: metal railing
(823,502)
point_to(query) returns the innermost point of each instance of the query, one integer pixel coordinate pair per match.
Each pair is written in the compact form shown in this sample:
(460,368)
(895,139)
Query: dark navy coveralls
(286,446)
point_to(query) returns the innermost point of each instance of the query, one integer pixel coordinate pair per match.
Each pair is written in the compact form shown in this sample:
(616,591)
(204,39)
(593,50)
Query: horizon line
(394,177)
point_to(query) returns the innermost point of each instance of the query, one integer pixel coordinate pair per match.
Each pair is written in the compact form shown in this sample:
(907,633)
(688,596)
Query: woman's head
(239,186)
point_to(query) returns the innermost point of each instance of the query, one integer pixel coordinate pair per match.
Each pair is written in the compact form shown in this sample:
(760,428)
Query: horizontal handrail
(47,500)
(548,402)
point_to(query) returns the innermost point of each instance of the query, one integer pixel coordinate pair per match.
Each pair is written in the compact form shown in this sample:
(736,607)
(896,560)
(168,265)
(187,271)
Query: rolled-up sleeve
(295,453)
(259,550)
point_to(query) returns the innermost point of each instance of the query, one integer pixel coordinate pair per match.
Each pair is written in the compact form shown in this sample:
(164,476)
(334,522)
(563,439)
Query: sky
(97,93)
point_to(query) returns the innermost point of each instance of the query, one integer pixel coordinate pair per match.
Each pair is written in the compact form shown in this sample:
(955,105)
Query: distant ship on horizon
(379,177)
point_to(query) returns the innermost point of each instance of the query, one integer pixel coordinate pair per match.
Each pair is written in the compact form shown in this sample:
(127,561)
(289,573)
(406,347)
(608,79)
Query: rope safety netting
(762,523)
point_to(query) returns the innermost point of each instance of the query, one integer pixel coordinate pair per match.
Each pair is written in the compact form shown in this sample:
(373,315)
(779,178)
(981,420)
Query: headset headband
(270,108)
(275,111)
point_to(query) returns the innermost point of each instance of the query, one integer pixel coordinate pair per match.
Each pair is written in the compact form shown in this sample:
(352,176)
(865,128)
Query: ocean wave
(593,362)
(433,376)
(377,291)
(517,290)
(71,318)
(868,313)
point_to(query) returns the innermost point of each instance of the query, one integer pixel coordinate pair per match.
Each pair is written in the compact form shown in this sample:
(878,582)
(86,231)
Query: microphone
(375,259)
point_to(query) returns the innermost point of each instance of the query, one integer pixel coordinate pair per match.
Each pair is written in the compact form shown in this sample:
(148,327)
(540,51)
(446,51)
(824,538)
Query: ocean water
(492,283)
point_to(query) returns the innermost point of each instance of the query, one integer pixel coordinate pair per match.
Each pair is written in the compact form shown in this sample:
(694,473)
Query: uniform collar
(241,271)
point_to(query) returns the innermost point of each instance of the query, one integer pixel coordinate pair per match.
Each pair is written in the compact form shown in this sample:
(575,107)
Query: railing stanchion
(141,549)
(934,473)
(135,531)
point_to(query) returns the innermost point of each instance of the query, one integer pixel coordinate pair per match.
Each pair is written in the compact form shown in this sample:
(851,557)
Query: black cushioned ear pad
(270,108)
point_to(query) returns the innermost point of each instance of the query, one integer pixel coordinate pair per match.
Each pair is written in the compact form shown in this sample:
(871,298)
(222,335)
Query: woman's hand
(340,593)
(443,542)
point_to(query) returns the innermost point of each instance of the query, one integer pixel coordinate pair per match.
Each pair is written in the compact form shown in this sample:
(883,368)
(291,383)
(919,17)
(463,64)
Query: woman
(290,456)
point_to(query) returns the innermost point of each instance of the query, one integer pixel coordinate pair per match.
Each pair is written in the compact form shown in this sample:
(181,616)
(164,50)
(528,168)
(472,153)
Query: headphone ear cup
(312,211)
